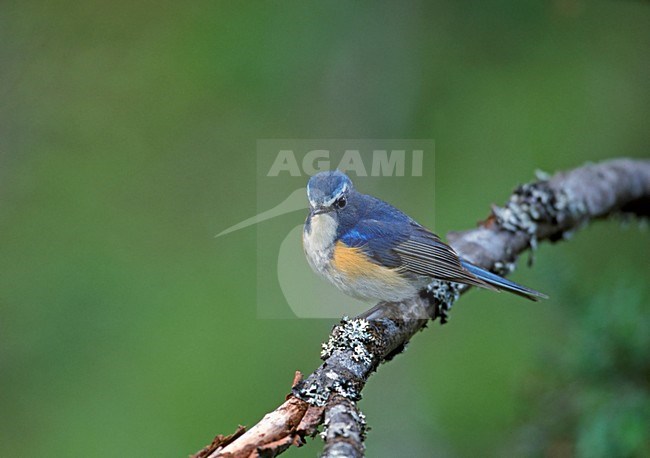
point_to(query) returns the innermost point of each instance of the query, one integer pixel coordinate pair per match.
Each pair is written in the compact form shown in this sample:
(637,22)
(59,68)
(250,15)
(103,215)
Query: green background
(127,141)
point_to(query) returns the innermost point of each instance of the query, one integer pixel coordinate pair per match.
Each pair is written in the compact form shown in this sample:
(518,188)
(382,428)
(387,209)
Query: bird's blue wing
(392,239)
(376,227)
(377,240)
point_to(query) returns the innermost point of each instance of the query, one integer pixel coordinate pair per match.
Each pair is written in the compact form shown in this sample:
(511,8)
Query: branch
(552,208)
(344,429)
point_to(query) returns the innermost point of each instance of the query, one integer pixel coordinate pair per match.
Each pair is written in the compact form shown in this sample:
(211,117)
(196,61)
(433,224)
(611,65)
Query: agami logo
(383,163)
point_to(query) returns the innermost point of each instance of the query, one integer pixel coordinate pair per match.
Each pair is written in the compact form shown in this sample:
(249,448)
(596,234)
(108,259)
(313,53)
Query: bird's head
(329,192)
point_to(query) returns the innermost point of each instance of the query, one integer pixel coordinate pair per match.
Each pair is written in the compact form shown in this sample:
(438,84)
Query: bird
(370,250)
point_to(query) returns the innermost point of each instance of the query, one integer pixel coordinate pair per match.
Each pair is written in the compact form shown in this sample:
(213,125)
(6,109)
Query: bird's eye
(341,202)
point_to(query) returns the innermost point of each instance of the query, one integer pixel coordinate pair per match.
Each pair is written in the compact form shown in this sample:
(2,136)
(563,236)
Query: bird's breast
(349,268)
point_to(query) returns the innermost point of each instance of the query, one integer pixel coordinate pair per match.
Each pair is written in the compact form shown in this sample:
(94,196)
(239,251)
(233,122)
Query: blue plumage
(407,255)
(502,283)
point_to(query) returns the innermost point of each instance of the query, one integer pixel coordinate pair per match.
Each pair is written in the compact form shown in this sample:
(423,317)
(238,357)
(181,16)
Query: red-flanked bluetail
(371,250)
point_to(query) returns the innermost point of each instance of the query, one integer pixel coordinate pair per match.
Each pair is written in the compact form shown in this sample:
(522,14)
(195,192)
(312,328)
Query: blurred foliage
(593,399)
(127,141)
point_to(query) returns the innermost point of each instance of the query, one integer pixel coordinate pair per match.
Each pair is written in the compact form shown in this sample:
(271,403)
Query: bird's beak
(317,211)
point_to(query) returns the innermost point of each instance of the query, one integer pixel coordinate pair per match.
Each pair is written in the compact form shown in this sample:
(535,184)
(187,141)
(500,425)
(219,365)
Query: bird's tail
(502,284)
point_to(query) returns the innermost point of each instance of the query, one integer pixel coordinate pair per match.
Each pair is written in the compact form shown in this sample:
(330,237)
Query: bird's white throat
(318,242)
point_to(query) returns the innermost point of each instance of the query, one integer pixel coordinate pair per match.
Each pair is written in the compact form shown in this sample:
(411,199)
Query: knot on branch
(534,203)
(442,296)
(348,353)
(350,334)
